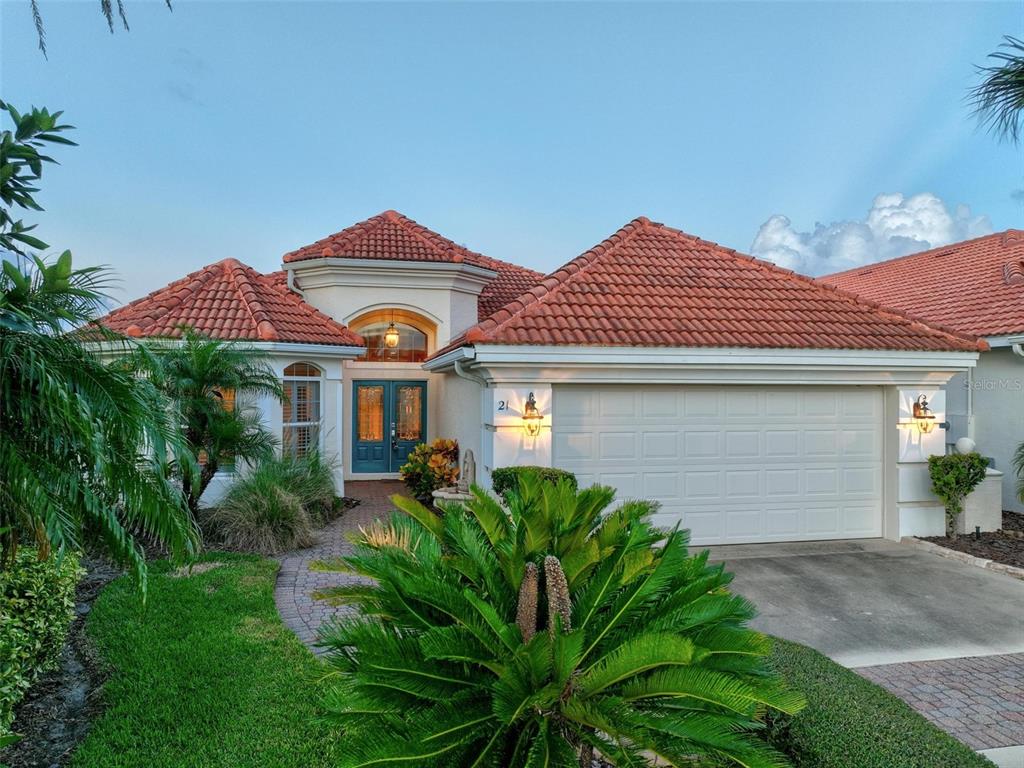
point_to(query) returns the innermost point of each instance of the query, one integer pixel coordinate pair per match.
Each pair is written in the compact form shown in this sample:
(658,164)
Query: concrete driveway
(877,602)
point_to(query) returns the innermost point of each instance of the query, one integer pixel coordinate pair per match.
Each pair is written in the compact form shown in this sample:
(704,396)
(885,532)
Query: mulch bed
(56,712)
(1001,546)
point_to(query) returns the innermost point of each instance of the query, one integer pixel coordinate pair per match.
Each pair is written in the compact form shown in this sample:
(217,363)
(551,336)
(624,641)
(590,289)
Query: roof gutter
(462,373)
(449,358)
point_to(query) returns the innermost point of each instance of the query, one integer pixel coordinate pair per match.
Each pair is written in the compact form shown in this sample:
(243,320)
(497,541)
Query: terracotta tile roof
(512,281)
(394,237)
(974,287)
(388,235)
(649,285)
(229,300)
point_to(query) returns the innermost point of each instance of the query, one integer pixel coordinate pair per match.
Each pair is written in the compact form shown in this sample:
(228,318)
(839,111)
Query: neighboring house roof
(649,285)
(975,287)
(230,300)
(393,237)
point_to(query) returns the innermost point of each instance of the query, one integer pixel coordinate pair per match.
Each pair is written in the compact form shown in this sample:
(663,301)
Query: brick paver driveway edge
(977,699)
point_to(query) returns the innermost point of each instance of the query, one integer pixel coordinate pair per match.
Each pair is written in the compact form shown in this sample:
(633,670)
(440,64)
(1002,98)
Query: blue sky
(527,131)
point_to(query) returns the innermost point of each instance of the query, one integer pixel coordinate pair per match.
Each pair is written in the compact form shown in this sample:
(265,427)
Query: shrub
(430,467)
(953,477)
(850,721)
(544,635)
(506,479)
(276,506)
(37,600)
(1018,466)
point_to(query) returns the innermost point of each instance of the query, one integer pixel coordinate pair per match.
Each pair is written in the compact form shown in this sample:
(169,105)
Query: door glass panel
(371,413)
(409,413)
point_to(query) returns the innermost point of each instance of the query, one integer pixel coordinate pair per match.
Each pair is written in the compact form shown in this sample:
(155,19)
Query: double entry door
(389,420)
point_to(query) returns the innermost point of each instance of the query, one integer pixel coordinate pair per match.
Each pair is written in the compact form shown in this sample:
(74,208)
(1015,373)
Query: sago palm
(541,636)
(84,443)
(211,382)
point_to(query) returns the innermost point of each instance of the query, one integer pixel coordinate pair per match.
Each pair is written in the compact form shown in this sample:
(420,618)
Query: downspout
(293,286)
(462,373)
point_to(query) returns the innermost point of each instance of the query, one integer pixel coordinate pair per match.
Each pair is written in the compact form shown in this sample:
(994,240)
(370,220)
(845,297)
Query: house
(753,403)
(975,287)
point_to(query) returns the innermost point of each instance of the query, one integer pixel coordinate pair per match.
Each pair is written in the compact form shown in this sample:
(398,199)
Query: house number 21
(503,405)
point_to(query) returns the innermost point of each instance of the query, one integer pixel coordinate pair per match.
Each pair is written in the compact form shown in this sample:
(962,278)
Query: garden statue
(468,475)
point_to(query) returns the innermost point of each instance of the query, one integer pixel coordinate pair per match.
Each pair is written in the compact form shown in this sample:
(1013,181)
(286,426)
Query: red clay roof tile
(974,287)
(651,285)
(229,300)
(393,237)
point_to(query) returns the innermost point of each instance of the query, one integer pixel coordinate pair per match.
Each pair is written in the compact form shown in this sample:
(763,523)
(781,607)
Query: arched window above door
(395,336)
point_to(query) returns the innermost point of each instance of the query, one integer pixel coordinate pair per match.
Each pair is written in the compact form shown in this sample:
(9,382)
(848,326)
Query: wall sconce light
(923,417)
(532,418)
(391,336)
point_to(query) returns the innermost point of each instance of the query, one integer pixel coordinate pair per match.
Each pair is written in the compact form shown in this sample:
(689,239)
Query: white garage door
(735,464)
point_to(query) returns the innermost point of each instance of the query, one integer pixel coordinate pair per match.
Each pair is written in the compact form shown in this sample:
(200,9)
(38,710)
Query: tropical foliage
(1018,466)
(543,635)
(505,479)
(21,167)
(37,600)
(107,8)
(212,383)
(954,476)
(85,444)
(431,466)
(276,506)
(999,99)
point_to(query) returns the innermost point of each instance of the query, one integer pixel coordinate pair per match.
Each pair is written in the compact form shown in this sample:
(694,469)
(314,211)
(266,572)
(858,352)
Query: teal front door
(389,419)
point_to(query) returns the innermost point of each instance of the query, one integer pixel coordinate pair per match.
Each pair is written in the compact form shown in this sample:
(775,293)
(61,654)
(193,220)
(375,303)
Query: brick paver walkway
(978,699)
(296,583)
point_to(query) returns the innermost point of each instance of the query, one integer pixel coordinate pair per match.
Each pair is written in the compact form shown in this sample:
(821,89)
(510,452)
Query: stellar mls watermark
(1003,384)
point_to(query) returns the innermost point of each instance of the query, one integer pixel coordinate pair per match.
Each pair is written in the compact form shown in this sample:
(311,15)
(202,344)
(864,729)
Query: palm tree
(211,382)
(106,8)
(999,99)
(84,443)
(542,636)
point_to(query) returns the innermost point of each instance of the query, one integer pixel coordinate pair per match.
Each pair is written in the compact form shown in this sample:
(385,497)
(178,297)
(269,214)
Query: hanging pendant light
(391,336)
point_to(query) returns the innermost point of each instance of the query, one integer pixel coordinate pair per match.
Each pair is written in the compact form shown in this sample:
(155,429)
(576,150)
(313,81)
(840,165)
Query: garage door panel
(661,445)
(702,445)
(733,464)
(781,443)
(617,445)
(700,403)
(660,404)
(617,403)
(745,444)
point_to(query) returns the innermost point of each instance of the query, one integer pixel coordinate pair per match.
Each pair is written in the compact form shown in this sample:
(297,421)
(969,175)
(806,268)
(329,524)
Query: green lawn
(850,722)
(207,676)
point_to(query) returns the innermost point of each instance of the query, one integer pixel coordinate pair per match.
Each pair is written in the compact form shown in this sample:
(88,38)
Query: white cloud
(895,226)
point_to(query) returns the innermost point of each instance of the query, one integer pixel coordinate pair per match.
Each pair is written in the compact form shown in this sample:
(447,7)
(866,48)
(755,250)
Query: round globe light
(965,445)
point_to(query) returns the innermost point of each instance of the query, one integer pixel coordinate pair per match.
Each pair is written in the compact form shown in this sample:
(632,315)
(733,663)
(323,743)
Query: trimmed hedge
(505,479)
(37,601)
(850,721)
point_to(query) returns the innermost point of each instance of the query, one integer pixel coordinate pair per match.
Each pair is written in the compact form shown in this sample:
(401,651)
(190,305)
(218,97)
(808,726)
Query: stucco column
(505,442)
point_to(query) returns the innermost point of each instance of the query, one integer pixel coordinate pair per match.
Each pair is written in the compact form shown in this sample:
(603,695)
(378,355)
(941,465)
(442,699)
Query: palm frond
(998,100)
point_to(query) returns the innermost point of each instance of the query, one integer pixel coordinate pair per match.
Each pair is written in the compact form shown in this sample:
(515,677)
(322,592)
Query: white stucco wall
(459,417)
(999,414)
(345,289)
(997,387)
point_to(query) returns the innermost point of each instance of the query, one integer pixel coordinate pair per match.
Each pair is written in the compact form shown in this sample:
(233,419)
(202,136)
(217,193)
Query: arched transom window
(394,336)
(300,419)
